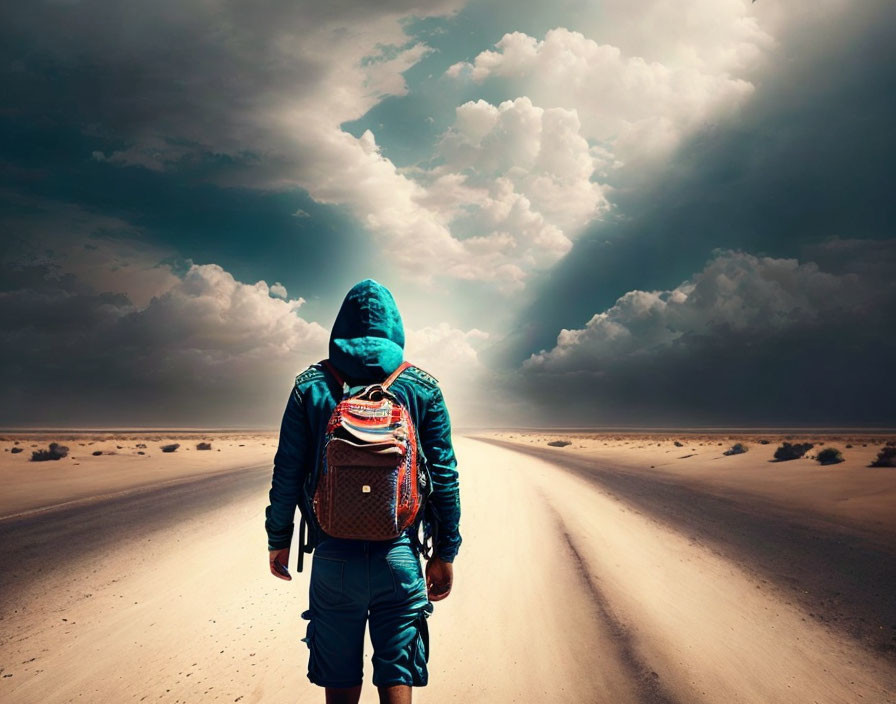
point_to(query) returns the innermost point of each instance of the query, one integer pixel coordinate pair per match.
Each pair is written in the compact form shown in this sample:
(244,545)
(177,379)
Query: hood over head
(367,340)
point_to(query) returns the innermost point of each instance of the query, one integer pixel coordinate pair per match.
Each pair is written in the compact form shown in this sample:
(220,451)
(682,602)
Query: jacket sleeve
(445,499)
(289,473)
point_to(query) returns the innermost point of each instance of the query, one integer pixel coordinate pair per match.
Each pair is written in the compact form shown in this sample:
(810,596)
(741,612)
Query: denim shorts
(353,581)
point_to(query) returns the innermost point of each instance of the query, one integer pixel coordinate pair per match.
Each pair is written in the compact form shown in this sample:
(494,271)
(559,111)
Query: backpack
(372,482)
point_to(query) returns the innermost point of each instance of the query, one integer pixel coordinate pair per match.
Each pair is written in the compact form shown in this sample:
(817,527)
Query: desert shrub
(737,449)
(559,443)
(97,453)
(848,446)
(829,455)
(16,450)
(763,442)
(141,445)
(55,452)
(203,446)
(886,457)
(789,451)
(170,448)
(140,452)
(679,444)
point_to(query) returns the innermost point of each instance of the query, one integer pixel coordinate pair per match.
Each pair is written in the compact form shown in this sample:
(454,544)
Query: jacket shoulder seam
(424,376)
(309,375)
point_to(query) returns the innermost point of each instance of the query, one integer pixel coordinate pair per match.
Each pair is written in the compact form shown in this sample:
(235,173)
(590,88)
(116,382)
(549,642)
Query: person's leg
(394,694)
(398,631)
(344,695)
(337,616)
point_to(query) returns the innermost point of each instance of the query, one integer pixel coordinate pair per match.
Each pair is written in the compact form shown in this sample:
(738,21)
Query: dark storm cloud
(804,172)
(251,233)
(169,68)
(199,123)
(808,160)
(747,340)
(205,350)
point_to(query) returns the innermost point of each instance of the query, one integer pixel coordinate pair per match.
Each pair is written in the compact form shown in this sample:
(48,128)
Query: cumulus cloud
(513,187)
(504,203)
(525,151)
(746,338)
(207,349)
(261,91)
(108,330)
(717,35)
(735,293)
(264,92)
(639,108)
(777,179)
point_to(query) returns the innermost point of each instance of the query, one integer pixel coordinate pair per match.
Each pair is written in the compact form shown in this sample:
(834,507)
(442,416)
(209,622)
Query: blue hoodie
(366,345)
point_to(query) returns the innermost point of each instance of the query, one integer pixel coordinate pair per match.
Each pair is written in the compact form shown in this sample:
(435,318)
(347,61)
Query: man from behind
(353,581)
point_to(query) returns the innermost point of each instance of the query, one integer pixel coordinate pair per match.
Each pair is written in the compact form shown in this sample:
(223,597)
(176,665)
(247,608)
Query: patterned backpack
(372,480)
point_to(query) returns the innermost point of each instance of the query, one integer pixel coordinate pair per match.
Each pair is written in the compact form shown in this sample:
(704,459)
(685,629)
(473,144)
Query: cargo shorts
(356,581)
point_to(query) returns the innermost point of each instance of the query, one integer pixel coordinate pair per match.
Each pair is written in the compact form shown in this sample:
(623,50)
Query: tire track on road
(646,680)
(841,580)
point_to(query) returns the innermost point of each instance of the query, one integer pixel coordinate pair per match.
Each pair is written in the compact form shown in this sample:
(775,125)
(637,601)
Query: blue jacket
(366,345)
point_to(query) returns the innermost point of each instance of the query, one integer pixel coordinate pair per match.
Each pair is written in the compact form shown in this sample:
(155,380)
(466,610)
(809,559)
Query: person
(356,581)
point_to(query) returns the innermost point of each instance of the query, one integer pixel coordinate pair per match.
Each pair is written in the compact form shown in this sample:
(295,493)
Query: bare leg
(344,695)
(395,694)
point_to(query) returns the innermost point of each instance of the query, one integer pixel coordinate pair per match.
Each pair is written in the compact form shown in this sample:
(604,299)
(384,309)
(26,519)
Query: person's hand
(439,576)
(279,559)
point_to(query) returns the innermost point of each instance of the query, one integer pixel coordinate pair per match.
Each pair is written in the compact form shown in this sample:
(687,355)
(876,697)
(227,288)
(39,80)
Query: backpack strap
(394,375)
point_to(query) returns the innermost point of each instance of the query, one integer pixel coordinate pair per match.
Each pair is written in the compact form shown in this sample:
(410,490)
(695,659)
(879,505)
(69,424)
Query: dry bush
(55,452)
(886,457)
(788,451)
(830,455)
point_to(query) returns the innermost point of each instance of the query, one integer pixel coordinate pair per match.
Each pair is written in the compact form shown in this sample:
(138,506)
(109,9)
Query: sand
(849,493)
(563,593)
(128,461)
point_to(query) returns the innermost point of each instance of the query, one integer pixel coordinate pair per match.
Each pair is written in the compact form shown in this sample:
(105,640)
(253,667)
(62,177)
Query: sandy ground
(125,461)
(562,593)
(850,492)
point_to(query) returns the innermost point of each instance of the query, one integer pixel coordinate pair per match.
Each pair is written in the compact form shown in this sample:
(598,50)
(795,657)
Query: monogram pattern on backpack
(369,486)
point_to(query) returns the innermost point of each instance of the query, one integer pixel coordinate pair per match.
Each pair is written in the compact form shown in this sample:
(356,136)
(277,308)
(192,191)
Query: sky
(604,214)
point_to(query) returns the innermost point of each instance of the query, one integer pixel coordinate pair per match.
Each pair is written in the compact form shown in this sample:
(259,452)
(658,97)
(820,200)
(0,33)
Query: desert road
(574,584)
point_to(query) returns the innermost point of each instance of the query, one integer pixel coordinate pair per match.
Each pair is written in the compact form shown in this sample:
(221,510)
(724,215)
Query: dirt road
(566,591)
